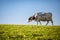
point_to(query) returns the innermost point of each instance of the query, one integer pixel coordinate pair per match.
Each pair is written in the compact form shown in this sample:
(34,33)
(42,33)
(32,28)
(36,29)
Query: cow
(41,16)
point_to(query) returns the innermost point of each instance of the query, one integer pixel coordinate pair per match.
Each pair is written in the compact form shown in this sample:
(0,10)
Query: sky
(18,11)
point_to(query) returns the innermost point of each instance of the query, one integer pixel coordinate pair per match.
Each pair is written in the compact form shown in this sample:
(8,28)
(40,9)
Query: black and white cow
(41,16)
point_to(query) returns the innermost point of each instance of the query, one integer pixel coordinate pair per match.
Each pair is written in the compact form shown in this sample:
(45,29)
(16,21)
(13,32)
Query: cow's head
(31,18)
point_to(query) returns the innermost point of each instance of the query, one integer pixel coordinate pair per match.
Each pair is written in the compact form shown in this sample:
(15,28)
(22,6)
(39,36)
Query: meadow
(29,32)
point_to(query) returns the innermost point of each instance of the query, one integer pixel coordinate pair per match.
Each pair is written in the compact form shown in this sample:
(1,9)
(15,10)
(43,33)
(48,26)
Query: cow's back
(42,15)
(49,15)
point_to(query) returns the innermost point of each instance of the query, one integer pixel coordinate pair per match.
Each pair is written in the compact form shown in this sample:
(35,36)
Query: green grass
(29,32)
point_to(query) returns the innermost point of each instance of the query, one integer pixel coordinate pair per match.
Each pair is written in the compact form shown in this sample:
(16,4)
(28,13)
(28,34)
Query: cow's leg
(37,22)
(47,22)
(40,22)
(52,22)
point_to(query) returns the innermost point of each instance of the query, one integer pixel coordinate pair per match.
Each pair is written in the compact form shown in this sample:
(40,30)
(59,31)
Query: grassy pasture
(29,32)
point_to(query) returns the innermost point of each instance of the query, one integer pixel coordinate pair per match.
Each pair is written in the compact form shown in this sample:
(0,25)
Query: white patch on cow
(35,15)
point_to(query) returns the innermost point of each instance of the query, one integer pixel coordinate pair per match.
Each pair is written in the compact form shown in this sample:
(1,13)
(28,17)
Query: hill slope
(29,32)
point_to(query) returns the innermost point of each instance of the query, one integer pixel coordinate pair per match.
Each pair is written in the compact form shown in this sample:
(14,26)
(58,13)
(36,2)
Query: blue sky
(18,11)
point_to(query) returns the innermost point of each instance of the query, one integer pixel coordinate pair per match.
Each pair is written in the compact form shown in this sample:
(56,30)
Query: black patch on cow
(33,17)
(30,18)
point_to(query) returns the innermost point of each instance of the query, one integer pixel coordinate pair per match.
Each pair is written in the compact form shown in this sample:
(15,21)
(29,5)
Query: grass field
(29,32)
